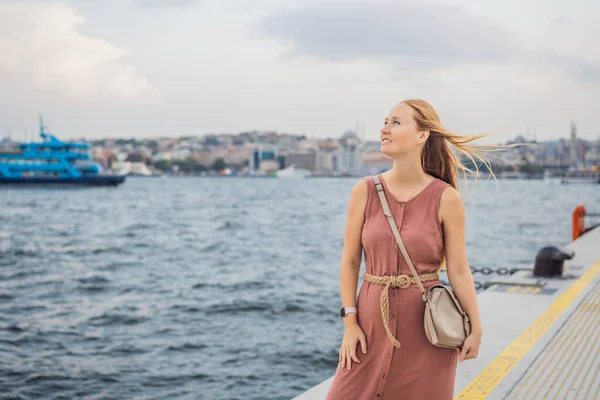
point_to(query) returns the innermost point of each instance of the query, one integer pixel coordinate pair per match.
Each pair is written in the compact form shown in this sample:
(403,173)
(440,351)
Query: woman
(421,190)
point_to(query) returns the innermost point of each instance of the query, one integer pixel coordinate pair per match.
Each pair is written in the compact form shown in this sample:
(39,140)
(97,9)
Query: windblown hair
(437,157)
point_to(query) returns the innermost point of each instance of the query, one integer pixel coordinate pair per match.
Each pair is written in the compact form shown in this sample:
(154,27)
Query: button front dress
(416,370)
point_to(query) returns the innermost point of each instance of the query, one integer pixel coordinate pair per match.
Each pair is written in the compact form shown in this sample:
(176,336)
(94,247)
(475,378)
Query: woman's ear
(423,136)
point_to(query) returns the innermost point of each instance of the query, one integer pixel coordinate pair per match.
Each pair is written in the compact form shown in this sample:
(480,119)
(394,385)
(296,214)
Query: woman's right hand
(352,336)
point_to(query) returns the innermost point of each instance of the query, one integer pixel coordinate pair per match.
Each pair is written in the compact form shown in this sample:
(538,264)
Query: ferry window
(46,173)
(55,174)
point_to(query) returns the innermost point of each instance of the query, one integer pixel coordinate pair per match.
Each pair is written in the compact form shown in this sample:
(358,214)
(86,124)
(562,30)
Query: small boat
(53,162)
(293,173)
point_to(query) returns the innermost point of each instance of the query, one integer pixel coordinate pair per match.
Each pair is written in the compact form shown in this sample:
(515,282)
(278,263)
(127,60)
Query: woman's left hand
(470,348)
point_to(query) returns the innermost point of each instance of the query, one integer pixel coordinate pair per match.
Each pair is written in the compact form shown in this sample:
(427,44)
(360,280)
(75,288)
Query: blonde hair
(437,158)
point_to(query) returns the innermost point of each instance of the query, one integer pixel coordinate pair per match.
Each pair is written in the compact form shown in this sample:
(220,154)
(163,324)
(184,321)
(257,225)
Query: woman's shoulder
(361,187)
(451,202)
(361,191)
(359,198)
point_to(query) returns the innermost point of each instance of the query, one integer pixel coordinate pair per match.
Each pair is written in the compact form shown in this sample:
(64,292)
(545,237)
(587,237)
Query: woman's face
(400,133)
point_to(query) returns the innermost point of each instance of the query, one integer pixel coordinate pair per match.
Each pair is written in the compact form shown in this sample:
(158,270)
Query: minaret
(573,159)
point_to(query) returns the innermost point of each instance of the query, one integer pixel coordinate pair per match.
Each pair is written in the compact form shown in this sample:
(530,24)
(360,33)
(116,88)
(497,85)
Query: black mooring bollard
(550,260)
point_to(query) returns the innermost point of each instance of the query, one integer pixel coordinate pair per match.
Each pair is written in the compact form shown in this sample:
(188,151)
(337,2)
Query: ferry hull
(108,180)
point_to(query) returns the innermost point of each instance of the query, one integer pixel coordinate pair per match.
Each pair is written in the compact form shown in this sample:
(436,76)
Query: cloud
(167,3)
(562,21)
(42,48)
(437,33)
(410,35)
(584,71)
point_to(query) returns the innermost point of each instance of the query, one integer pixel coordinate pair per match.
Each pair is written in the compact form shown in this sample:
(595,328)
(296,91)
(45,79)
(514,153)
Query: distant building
(373,160)
(264,159)
(204,156)
(288,141)
(238,156)
(306,159)
(349,155)
(592,155)
(181,154)
(325,162)
(6,143)
(573,157)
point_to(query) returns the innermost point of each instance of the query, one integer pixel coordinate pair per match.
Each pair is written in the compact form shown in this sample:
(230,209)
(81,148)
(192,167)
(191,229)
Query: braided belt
(402,282)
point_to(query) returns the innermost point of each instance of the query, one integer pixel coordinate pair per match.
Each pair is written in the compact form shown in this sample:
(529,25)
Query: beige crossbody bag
(446,324)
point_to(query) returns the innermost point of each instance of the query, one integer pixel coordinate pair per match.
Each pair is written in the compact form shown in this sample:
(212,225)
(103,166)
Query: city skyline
(529,135)
(156,68)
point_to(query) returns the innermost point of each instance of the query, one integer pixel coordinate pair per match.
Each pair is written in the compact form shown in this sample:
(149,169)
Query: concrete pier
(541,336)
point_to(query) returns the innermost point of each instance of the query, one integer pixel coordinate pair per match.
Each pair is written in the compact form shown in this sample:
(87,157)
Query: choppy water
(205,288)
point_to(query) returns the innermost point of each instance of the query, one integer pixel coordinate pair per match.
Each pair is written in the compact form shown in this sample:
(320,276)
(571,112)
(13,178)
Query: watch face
(342,312)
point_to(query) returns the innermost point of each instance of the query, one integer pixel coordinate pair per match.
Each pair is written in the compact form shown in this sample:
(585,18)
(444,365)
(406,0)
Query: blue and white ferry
(53,162)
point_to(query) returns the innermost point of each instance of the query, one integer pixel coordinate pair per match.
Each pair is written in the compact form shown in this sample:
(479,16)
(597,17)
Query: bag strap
(390,218)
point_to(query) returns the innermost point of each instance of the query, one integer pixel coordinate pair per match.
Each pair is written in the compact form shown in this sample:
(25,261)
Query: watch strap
(347,310)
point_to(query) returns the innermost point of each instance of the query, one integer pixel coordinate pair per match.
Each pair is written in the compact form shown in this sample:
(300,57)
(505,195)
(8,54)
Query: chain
(478,285)
(498,271)
(489,271)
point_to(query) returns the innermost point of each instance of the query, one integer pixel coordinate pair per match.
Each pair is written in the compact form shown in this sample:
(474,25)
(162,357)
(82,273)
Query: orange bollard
(578,221)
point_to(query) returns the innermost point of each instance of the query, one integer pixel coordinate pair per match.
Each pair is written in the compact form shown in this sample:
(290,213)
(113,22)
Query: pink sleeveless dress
(417,370)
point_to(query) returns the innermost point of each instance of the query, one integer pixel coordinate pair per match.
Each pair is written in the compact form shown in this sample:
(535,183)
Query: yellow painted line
(542,375)
(493,374)
(571,350)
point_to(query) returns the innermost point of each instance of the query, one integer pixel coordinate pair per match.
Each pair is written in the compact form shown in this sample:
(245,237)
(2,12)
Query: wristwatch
(347,310)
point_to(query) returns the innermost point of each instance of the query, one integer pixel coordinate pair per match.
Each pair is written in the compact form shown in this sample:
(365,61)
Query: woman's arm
(349,270)
(460,278)
(352,252)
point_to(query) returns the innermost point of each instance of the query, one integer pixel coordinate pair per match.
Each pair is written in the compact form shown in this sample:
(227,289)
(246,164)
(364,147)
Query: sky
(156,68)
